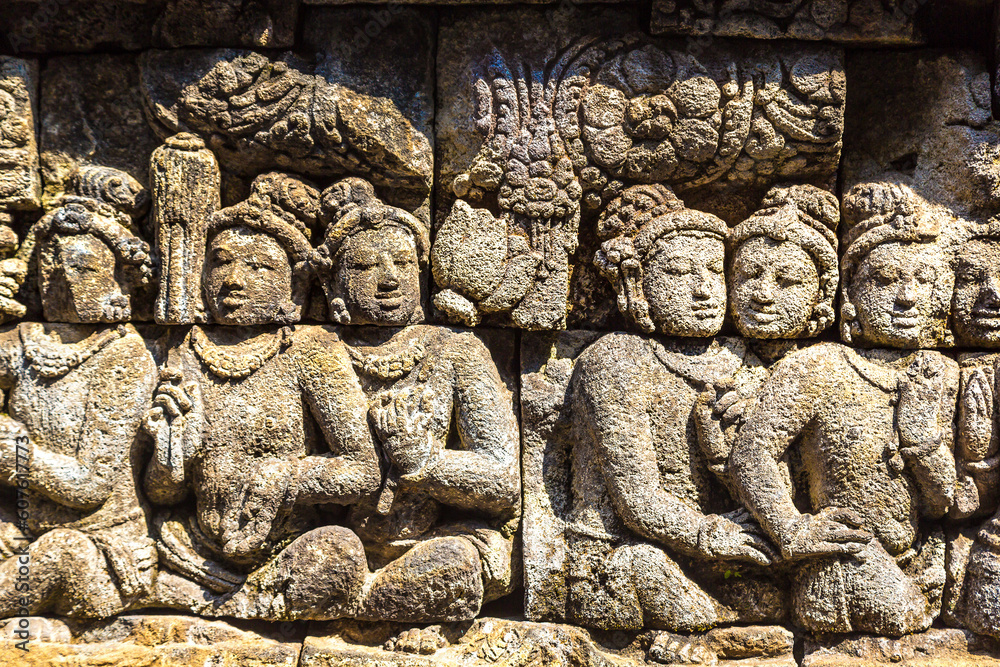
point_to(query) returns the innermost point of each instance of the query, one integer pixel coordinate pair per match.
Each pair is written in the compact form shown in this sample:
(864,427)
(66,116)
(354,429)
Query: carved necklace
(242,359)
(390,365)
(53,359)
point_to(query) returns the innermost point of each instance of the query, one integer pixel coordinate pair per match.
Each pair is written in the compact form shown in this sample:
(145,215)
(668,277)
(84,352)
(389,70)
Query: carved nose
(907,295)
(235,277)
(388,274)
(991,291)
(703,286)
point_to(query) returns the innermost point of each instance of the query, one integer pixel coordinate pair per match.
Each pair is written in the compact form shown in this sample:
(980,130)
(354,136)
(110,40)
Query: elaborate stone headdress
(632,224)
(807,216)
(103,203)
(886,212)
(348,207)
(285,208)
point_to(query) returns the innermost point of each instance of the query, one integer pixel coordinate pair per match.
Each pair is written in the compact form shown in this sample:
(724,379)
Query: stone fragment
(860,22)
(91,114)
(135,640)
(256,114)
(20,182)
(923,119)
(561,112)
(485,642)
(960,648)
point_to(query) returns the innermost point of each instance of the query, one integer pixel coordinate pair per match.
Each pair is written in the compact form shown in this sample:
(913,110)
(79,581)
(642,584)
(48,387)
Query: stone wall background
(541,157)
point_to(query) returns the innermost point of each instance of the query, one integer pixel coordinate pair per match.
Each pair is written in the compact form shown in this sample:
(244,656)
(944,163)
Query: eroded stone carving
(439,535)
(665,261)
(896,272)
(863,21)
(872,430)
(783,276)
(565,133)
(76,397)
(256,114)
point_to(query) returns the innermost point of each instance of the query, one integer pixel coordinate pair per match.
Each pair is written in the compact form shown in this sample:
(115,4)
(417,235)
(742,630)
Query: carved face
(893,292)
(247,278)
(378,276)
(684,284)
(775,288)
(78,282)
(976,304)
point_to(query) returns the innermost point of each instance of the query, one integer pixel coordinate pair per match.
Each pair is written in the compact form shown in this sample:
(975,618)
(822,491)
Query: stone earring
(338,311)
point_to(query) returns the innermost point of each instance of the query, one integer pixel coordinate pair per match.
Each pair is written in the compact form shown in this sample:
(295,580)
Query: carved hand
(402,419)
(164,421)
(832,530)
(262,497)
(713,414)
(920,393)
(735,536)
(975,420)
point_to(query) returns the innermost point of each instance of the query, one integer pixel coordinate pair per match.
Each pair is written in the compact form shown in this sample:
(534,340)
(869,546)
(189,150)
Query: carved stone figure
(666,262)
(439,536)
(783,275)
(896,271)
(20,185)
(77,393)
(261,424)
(872,430)
(653,531)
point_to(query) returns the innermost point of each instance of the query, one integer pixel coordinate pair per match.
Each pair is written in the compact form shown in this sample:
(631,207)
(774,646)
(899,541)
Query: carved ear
(338,311)
(849,328)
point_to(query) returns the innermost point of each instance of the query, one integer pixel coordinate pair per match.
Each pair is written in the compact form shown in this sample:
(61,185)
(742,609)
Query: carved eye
(925,275)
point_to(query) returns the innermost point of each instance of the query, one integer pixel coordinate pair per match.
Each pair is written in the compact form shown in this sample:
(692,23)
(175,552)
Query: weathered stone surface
(944,147)
(864,22)
(934,647)
(570,109)
(132,640)
(61,26)
(20,184)
(257,113)
(92,115)
(628,521)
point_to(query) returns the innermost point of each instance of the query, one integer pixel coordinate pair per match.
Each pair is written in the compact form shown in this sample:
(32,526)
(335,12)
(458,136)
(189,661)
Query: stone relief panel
(570,119)
(235,392)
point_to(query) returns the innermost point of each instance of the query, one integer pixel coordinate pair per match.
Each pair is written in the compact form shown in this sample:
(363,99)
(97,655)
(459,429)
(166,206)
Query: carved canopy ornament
(258,114)
(563,141)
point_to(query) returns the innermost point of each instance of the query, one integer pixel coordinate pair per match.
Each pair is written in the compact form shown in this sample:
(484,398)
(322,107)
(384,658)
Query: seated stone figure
(439,536)
(783,277)
(976,319)
(655,538)
(872,430)
(77,393)
(260,423)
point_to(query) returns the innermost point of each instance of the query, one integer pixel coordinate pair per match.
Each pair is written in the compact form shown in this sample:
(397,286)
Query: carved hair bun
(635,207)
(817,203)
(344,196)
(112,187)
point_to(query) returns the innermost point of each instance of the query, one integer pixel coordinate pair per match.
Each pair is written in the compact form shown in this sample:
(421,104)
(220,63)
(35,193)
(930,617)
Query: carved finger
(168,374)
(754,554)
(848,517)
(168,404)
(178,394)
